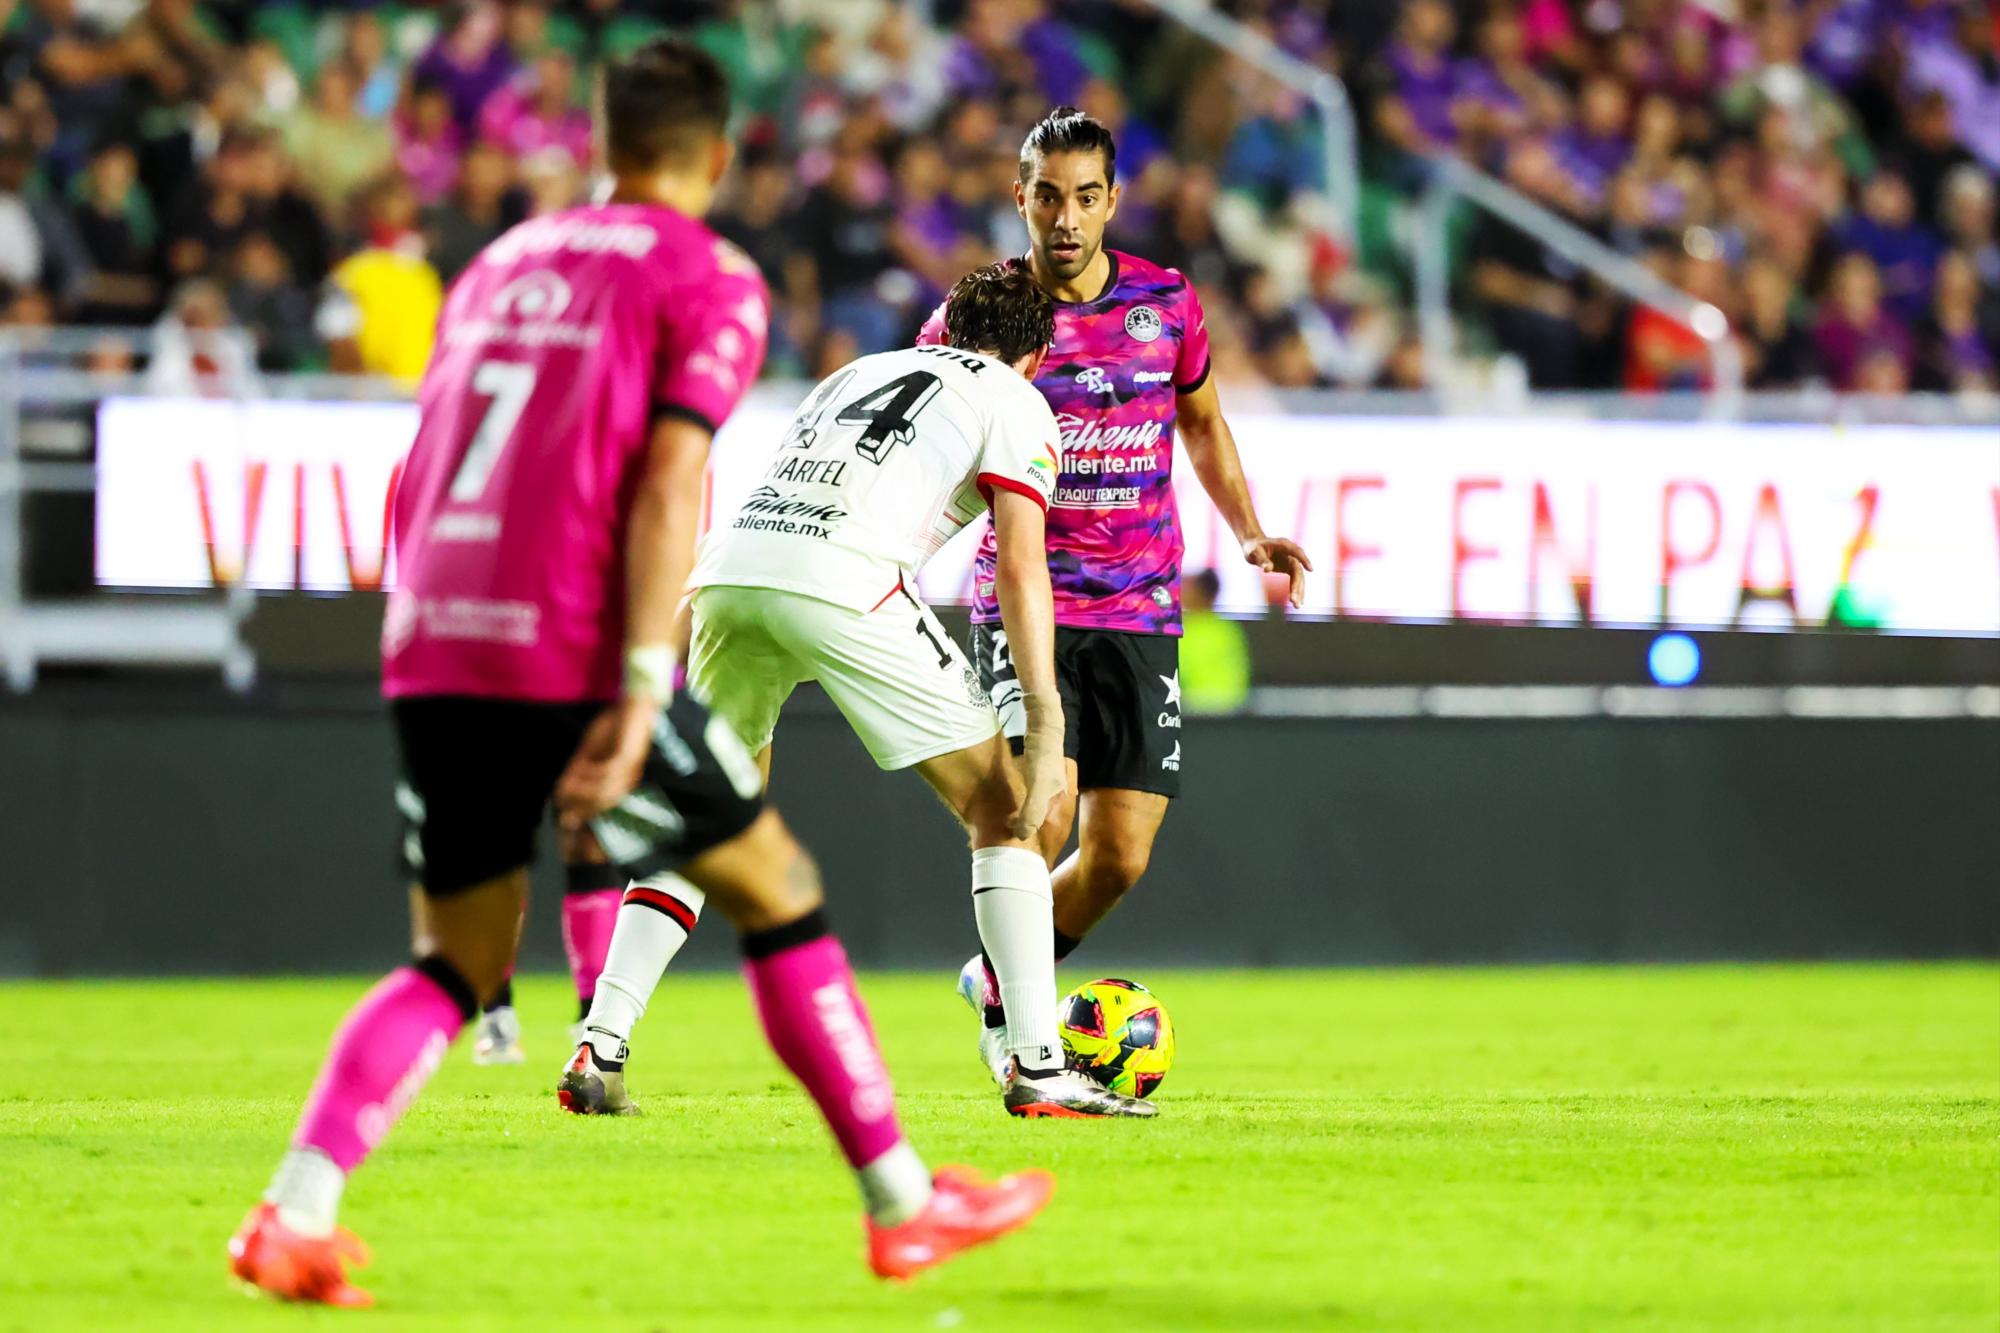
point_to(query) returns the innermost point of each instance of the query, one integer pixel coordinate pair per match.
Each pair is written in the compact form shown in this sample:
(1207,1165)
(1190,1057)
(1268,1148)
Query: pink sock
(817,1025)
(587,922)
(386,1049)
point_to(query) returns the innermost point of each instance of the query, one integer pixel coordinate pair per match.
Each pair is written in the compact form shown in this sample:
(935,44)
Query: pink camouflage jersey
(1113,379)
(559,348)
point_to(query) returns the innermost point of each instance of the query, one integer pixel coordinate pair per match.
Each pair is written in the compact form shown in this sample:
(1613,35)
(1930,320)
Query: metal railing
(1452,179)
(1324,89)
(47,371)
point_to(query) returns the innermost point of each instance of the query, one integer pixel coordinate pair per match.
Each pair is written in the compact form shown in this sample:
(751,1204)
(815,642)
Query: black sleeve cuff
(675,412)
(1199,380)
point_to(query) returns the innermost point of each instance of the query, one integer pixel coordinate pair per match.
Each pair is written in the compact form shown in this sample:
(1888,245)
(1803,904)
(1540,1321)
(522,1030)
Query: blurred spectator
(1662,352)
(1495,91)
(279,208)
(335,147)
(469,60)
(843,226)
(1529,289)
(1595,149)
(1962,68)
(552,181)
(428,141)
(1927,152)
(82,68)
(1885,229)
(38,246)
(378,73)
(537,111)
(116,225)
(1780,81)
(479,209)
(1215,652)
(275,310)
(1276,150)
(1854,327)
(1954,353)
(1417,83)
(166,45)
(381,311)
(213,213)
(1777,350)
(197,352)
(1968,215)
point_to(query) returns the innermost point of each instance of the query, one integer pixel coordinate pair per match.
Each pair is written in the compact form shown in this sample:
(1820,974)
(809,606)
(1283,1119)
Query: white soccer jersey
(886,461)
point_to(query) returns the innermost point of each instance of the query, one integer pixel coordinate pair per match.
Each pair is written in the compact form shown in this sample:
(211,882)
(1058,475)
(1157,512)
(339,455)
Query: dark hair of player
(999,309)
(661,105)
(1068,130)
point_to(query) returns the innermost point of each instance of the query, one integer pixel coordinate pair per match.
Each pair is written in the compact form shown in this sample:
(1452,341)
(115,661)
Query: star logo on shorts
(1173,684)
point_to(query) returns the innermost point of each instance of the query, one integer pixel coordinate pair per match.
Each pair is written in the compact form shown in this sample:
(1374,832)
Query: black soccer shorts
(477,776)
(1121,697)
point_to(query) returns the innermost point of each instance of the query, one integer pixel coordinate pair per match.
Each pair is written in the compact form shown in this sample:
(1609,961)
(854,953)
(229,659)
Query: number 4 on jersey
(889,413)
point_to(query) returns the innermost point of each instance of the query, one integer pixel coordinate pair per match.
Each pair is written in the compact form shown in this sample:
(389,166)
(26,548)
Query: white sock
(1014,905)
(895,1186)
(307,1190)
(644,941)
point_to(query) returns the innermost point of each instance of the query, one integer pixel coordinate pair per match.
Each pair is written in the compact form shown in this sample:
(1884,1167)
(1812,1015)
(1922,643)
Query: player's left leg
(745,684)
(384,1052)
(592,890)
(1128,768)
(478,775)
(1115,832)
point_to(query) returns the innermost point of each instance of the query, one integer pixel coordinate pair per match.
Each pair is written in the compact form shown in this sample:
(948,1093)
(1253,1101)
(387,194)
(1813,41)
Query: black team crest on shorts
(973,689)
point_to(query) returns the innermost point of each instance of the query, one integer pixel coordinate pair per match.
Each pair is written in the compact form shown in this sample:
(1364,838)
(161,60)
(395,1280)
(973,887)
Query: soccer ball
(1118,1033)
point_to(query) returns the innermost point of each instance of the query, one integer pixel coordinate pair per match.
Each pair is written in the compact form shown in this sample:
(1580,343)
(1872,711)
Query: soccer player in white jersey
(813,580)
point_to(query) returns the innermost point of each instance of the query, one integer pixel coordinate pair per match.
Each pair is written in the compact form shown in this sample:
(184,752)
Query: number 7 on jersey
(508,384)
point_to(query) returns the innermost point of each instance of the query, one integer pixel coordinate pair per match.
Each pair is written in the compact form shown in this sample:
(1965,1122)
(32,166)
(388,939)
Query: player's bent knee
(1115,867)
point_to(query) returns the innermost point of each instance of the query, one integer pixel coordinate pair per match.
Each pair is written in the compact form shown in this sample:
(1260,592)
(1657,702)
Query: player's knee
(1114,867)
(762,879)
(988,805)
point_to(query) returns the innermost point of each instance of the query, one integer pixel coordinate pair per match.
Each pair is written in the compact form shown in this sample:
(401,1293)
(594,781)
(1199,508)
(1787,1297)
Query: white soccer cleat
(497,1038)
(1070,1095)
(595,1085)
(992,1041)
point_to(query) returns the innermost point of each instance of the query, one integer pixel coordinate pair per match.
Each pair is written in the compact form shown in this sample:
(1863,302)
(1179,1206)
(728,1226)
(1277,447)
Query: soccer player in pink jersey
(545,528)
(1128,368)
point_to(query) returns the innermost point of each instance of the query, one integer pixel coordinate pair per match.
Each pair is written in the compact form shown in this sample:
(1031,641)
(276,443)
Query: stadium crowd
(315,175)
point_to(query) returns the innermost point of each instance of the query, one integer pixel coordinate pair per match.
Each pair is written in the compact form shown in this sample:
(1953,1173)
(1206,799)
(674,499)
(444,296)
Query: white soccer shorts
(903,685)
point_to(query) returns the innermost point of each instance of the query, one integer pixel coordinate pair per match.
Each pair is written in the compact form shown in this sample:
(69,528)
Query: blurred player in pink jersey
(1128,369)
(545,529)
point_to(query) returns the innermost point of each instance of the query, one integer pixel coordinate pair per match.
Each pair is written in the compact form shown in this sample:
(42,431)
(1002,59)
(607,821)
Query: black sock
(502,998)
(1066,945)
(583,1008)
(764,943)
(585,877)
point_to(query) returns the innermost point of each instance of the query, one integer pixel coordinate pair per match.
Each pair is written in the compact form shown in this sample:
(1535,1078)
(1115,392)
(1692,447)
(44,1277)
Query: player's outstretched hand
(606,766)
(1281,555)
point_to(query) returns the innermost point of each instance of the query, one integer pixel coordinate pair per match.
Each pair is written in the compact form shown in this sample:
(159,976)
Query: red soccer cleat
(963,1211)
(268,1254)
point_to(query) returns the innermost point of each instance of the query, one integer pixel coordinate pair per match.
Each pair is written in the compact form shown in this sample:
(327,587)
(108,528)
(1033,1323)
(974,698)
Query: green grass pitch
(1812,1149)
